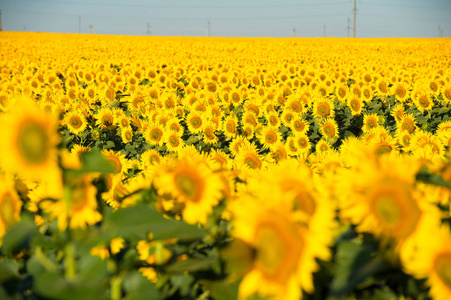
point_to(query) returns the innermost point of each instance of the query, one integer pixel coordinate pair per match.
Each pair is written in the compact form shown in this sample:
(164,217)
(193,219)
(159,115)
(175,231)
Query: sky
(233,18)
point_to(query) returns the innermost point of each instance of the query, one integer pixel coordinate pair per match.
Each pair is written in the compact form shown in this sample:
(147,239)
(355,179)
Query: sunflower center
(278,248)
(33,143)
(128,135)
(273,121)
(174,141)
(442,266)
(189,186)
(355,105)
(424,102)
(252,162)
(196,122)
(372,123)
(329,130)
(155,135)
(7,208)
(270,138)
(302,143)
(75,122)
(392,204)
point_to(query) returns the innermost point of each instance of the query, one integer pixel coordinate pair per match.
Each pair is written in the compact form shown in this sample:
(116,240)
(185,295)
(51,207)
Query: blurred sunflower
(28,146)
(78,206)
(10,205)
(193,185)
(273,250)
(431,259)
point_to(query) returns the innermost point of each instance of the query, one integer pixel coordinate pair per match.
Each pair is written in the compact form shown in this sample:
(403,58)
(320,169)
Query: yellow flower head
(193,185)
(28,146)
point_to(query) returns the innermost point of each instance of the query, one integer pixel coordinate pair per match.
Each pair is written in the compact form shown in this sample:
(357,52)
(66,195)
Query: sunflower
(379,196)
(400,92)
(75,121)
(288,117)
(323,107)
(150,158)
(269,138)
(302,142)
(279,152)
(273,249)
(445,137)
(28,146)
(355,104)
(209,136)
(273,119)
(431,260)
(10,205)
(5,101)
(154,134)
(194,186)
(329,128)
(423,101)
(118,161)
(422,138)
(292,148)
(382,87)
(342,93)
(105,118)
(248,131)
(300,125)
(407,123)
(397,112)
(194,121)
(126,135)
(78,206)
(370,121)
(236,144)
(174,142)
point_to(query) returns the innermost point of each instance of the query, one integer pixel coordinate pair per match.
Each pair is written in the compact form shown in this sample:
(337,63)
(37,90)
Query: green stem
(116,286)
(70,261)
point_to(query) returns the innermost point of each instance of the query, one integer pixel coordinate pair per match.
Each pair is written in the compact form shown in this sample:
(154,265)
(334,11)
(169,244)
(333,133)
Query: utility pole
(79,24)
(294,32)
(349,26)
(324,30)
(208,29)
(1,28)
(91,29)
(25,28)
(440,32)
(355,10)
(148,29)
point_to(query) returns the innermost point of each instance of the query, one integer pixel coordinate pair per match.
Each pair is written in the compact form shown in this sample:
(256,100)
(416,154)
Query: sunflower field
(224,168)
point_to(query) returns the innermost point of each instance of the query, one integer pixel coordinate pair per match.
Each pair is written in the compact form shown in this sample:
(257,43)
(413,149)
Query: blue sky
(245,18)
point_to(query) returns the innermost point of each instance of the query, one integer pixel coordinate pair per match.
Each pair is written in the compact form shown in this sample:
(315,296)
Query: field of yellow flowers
(224,168)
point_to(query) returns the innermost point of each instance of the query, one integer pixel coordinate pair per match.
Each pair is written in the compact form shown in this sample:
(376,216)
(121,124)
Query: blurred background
(233,18)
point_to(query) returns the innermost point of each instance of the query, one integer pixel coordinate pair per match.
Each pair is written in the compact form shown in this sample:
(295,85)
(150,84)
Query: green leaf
(383,295)
(138,287)
(139,220)
(93,161)
(433,179)
(8,269)
(109,145)
(192,265)
(53,285)
(19,235)
(223,290)
(355,263)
